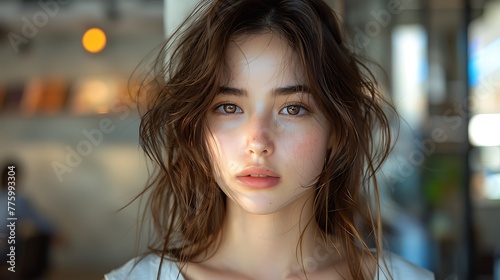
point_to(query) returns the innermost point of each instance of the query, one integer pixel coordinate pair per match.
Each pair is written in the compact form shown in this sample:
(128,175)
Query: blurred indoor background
(69,122)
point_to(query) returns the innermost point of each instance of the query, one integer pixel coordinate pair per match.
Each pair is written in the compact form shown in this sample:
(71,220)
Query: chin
(267,205)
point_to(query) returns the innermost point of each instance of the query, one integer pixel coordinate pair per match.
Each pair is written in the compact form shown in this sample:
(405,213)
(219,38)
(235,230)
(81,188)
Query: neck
(271,244)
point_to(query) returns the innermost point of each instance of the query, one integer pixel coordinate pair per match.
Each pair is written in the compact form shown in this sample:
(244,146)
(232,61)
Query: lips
(260,171)
(259,177)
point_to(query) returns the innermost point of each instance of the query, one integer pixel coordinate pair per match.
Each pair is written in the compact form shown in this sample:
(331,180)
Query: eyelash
(216,107)
(298,104)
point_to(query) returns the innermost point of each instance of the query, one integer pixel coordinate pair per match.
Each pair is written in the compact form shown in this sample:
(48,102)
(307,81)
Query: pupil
(229,108)
(292,110)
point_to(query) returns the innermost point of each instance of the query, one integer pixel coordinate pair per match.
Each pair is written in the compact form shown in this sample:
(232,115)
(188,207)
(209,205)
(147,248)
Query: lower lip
(259,182)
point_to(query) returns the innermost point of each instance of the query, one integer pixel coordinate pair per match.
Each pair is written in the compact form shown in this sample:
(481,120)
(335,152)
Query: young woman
(260,122)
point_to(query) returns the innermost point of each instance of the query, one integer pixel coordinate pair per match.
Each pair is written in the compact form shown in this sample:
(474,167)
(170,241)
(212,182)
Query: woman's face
(265,119)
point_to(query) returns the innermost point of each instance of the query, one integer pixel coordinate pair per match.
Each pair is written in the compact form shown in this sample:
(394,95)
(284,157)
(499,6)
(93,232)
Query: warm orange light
(94,40)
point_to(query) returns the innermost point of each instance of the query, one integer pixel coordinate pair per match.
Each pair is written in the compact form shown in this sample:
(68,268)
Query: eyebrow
(281,91)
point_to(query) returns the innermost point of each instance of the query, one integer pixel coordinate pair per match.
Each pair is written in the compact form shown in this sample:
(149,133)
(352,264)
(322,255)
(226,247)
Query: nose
(259,138)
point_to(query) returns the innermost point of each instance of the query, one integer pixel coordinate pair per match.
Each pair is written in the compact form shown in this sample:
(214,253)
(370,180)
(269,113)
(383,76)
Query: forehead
(266,54)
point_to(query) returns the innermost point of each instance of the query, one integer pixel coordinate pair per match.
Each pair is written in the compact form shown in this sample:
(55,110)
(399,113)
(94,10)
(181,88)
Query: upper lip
(258,170)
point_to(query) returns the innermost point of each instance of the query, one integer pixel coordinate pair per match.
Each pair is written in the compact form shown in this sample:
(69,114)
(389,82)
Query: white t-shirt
(147,269)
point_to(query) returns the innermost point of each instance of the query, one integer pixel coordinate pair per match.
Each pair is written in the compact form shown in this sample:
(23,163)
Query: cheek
(307,151)
(221,146)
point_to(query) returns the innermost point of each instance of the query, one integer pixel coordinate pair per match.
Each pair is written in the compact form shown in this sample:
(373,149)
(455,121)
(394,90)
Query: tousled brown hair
(186,205)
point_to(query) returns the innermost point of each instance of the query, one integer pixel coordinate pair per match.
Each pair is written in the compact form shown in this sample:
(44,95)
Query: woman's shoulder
(145,268)
(402,269)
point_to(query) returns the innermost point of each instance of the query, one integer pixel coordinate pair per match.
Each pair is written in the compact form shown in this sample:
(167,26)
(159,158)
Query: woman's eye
(228,109)
(294,110)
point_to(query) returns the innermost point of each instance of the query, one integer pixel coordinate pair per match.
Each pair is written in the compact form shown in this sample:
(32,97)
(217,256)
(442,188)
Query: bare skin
(323,264)
(262,227)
